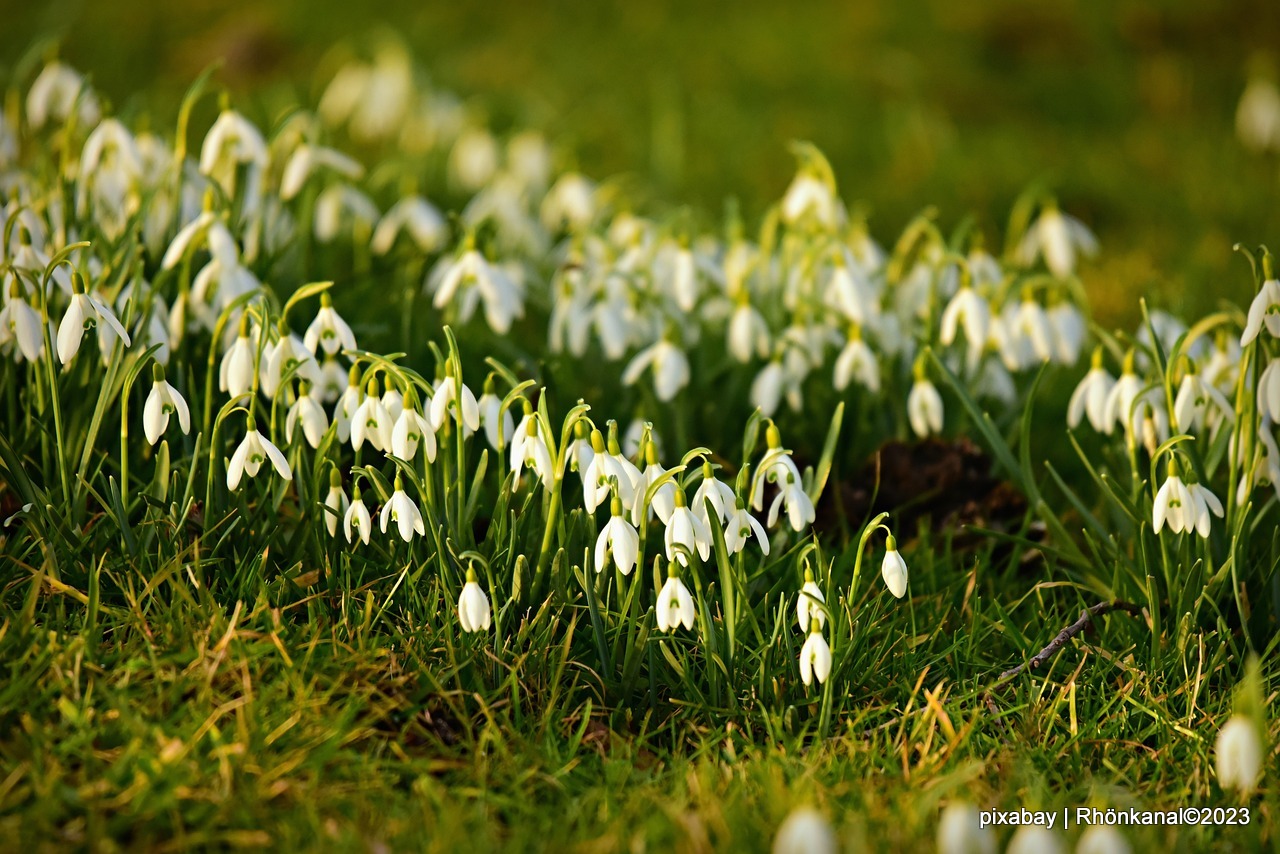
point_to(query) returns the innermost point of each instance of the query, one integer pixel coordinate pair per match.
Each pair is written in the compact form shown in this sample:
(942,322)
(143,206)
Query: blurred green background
(1125,109)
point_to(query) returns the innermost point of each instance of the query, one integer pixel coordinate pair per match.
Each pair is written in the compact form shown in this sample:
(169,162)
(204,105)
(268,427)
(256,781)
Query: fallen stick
(1086,616)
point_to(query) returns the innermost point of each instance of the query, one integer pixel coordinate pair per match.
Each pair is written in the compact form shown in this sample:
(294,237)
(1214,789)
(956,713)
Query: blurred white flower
(1258,116)
(1239,755)
(1035,839)
(1058,238)
(670,368)
(1102,839)
(307,160)
(1090,397)
(1265,309)
(805,831)
(57,90)
(415,216)
(960,831)
(967,310)
(924,408)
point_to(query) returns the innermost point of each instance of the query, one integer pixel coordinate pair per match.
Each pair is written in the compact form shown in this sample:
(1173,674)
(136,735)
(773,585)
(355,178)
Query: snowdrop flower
(849,293)
(328,330)
(1057,237)
(609,465)
(1033,324)
(1091,396)
(1265,308)
(307,410)
(994,382)
(1102,839)
(809,610)
(1258,116)
(663,502)
(473,605)
(857,362)
(473,160)
(288,354)
(1191,407)
(336,504)
(960,831)
(412,431)
(1266,465)
(461,405)
(1035,839)
(356,522)
(309,159)
(1069,331)
(1174,504)
(84,314)
(499,425)
(776,466)
(254,450)
(332,381)
(570,202)
(402,510)
(235,372)
(675,604)
(528,448)
(618,538)
(1120,400)
(20,324)
(1269,390)
(339,205)
(767,387)
(685,533)
(1239,755)
(740,527)
(392,401)
(471,279)
(815,658)
(580,451)
(348,403)
(415,216)
(670,368)
(231,142)
(163,401)
(809,196)
(969,311)
(893,569)
(718,493)
(55,92)
(924,407)
(371,422)
(805,831)
(748,334)
(800,510)
(1203,502)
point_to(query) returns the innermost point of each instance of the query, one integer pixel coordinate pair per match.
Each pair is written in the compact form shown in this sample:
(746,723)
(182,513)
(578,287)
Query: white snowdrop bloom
(720,495)
(254,450)
(328,331)
(83,314)
(1266,466)
(768,386)
(205,229)
(675,605)
(287,354)
(335,503)
(748,334)
(231,141)
(529,159)
(924,408)
(235,371)
(470,280)
(20,325)
(1264,310)
(815,659)
(348,403)
(1150,423)
(808,610)
(473,606)
(1222,368)
(307,411)
(569,203)
(529,448)
(805,831)
(1058,238)
(857,362)
(670,368)
(685,533)
(473,160)
(1269,390)
(799,506)
(1120,399)
(392,401)
(994,382)
(333,379)
(163,401)
(609,466)
(1203,503)
(1102,839)
(1191,407)
(307,160)
(848,292)
(499,425)
(1239,755)
(619,539)
(1069,331)
(1258,116)
(776,466)
(410,432)
(1035,839)
(893,569)
(356,522)
(580,451)
(1033,325)
(462,406)
(809,196)
(663,503)
(340,205)
(634,435)
(741,527)
(371,422)
(373,98)
(404,512)
(683,281)
(967,310)
(8,144)
(1090,397)
(415,216)
(1174,505)
(960,831)
(56,91)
